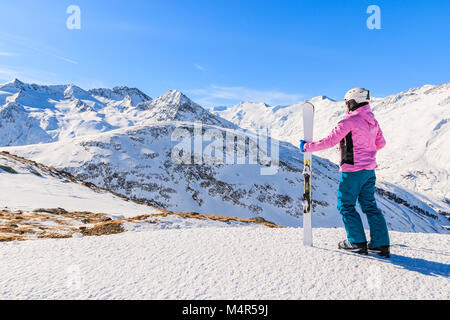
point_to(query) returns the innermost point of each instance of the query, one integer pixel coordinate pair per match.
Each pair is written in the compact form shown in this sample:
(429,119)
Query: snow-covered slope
(223,263)
(16,128)
(416,124)
(25,185)
(129,150)
(138,162)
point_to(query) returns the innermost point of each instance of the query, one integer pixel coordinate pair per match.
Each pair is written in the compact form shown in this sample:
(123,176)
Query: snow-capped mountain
(416,125)
(39,114)
(134,95)
(175,106)
(35,114)
(130,149)
(138,160)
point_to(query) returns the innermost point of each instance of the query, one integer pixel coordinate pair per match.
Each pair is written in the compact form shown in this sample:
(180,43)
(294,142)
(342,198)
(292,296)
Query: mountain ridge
(130,149)
(66,111)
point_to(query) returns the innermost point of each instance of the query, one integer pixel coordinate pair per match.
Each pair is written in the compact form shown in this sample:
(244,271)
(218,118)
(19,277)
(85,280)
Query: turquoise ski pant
(360,186)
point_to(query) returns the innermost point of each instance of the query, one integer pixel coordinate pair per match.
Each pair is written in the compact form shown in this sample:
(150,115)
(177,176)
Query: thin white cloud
(35,46)
(6,54)
(66,59)
(199,67)
(219,95)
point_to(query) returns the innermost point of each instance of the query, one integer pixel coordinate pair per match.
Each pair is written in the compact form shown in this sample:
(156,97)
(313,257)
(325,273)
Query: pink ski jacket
(360,137)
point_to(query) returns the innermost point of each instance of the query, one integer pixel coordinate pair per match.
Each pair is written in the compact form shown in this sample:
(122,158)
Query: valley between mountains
(122,140)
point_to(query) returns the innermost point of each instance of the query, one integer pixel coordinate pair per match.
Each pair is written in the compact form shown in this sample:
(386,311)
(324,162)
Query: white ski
(308,122)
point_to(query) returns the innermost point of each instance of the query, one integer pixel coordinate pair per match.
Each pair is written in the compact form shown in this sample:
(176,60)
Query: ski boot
(360,248)
(382,251)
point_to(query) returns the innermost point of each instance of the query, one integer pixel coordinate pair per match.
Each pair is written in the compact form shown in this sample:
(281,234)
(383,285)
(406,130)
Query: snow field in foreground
(223,263)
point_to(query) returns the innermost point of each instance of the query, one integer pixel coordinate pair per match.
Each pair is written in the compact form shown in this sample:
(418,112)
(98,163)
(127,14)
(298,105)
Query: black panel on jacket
(347,149)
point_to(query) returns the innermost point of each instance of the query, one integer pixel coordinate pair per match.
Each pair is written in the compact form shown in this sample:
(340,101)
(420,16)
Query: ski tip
(308,104)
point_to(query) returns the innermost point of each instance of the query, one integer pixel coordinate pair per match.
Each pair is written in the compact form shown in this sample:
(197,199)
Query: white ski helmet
(360,95)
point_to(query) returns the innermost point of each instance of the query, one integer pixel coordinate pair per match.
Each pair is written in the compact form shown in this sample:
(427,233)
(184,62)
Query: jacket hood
(366,113)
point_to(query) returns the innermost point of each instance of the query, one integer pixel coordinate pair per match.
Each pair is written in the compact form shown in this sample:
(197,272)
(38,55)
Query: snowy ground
(223,263)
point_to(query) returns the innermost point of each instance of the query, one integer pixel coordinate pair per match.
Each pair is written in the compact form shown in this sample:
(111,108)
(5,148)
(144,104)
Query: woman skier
(360,138)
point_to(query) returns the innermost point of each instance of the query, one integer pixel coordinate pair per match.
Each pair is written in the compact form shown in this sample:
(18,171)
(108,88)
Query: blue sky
(221,52)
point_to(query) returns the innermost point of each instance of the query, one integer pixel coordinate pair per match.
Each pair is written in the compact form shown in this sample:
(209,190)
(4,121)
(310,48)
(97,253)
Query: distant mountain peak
(124,90)
(16,83)
(253,103)
(74,91)
(218,108)
(176,106)
(321,98)
(176,101)
(134,95)
(175,98)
